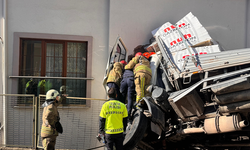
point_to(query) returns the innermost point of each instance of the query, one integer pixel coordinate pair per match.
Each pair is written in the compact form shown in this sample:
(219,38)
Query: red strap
(148,54)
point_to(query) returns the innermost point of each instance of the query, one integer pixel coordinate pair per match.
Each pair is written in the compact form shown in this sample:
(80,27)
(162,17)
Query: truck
(205,104)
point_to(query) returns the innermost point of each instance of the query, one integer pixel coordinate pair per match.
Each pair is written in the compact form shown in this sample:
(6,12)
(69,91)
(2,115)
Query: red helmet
(123,62)
(138,54)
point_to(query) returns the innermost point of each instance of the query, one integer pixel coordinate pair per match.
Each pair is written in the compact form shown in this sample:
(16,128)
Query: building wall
(77,18)
(227,22)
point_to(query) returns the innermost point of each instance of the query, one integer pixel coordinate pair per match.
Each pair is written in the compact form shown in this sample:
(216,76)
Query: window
(53,58)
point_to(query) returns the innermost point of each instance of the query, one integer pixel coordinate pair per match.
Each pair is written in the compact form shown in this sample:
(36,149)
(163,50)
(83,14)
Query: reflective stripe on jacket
(143,69)
(139,64)
(47,131)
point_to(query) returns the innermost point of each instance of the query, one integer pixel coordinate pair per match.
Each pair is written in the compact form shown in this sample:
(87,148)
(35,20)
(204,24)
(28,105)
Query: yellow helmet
(52,94)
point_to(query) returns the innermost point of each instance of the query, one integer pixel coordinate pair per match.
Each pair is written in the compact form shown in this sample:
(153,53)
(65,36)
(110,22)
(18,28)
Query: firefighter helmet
(62,89)
(52,94)
(138,54)
(123,62)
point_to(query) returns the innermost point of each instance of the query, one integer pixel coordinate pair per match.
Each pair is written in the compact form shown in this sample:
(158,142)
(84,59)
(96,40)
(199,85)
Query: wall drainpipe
(3,42)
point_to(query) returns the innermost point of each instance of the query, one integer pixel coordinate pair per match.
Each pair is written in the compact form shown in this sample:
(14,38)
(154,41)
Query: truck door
(118,53)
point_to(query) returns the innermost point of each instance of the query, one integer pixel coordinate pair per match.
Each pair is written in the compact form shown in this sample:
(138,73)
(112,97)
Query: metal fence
(19,120)
(1,121)
(80,126)
(24,120)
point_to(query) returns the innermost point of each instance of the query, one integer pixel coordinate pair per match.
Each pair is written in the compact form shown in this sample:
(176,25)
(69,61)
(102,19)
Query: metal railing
(41,77)
(23,125)
(78,132)
(18,119)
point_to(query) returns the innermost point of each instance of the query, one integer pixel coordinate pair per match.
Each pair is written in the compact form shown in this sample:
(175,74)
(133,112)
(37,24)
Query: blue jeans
(119,95)
(128,89)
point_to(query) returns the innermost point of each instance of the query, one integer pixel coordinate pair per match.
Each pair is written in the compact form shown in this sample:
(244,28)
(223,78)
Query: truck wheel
(136,131)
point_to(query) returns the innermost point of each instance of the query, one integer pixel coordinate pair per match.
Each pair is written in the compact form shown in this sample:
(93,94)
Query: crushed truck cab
(199,96)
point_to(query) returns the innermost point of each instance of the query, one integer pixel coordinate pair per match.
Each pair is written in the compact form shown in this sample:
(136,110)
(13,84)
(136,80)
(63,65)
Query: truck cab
(192,107)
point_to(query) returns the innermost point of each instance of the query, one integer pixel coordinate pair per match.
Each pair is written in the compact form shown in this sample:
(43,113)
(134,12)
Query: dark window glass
(53,59)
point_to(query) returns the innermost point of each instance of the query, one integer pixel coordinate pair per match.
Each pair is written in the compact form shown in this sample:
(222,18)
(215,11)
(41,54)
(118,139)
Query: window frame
(51,37)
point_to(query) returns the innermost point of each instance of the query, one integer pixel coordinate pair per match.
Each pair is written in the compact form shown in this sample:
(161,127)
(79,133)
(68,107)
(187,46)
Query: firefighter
(31,87)
(127,88)
(142,73)
(51,125)
(115,77)
(43,86)
(113,121)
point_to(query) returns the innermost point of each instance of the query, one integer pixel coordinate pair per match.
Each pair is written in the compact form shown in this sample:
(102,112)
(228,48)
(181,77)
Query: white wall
(248,23)
(225,20)
(75,17)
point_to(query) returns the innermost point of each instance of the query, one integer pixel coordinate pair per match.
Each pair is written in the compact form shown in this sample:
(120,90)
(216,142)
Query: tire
(136,131)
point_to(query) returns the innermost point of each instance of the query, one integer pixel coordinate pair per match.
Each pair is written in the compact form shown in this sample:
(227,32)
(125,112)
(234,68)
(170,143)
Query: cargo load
(185,38)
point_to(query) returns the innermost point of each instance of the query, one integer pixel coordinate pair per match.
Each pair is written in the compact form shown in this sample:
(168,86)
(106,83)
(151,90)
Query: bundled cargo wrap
(183,38)
(179,56)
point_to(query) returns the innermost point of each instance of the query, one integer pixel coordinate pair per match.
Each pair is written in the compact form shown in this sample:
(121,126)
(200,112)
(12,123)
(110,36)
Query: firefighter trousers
(142,80)
(49,143)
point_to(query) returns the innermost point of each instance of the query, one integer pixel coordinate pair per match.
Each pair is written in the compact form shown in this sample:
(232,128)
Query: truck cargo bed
(217,60)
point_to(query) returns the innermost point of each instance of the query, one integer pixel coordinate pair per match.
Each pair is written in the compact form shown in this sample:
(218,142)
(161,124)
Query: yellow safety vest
(113,111)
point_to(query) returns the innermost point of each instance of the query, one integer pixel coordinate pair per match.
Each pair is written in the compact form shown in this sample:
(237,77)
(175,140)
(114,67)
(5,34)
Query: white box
(180,37)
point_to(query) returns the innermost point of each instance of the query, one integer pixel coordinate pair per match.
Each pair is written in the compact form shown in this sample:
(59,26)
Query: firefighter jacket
(50,117)
(132,63)
(115,74)
(140,65)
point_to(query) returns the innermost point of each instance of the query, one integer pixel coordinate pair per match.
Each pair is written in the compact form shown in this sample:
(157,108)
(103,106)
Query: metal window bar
(41,77)
(71,83)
